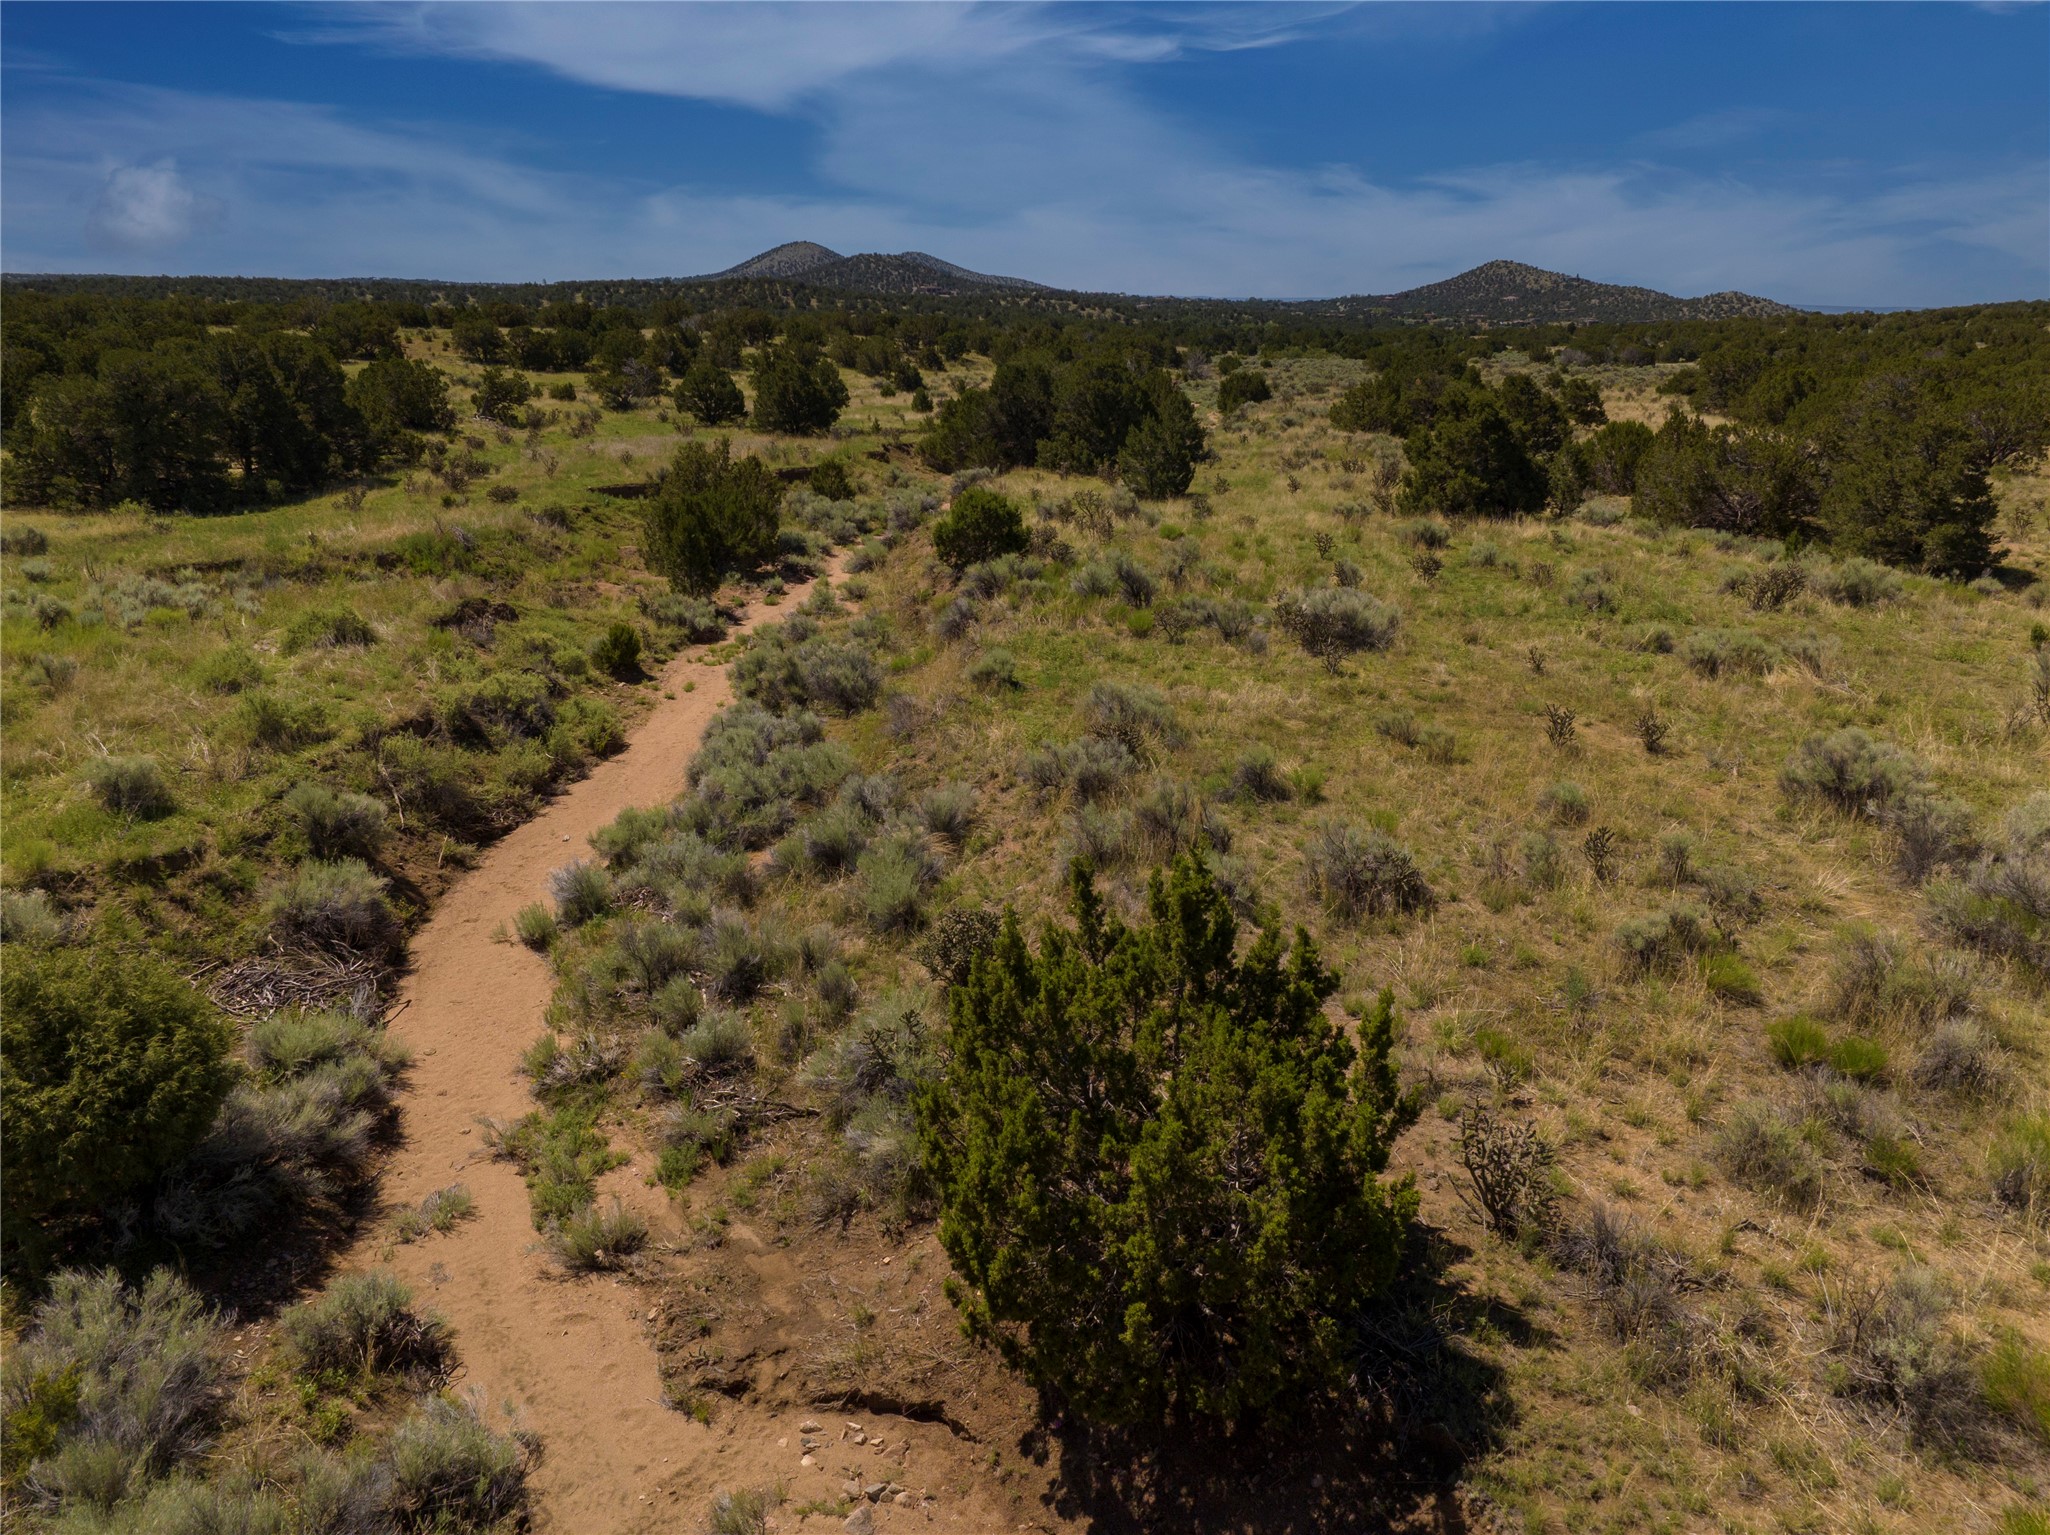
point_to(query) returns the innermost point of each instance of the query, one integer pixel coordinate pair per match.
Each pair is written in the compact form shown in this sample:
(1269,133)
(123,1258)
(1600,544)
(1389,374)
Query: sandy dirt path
(567,1356)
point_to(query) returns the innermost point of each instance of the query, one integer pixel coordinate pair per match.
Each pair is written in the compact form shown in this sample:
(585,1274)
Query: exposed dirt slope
(569,1358)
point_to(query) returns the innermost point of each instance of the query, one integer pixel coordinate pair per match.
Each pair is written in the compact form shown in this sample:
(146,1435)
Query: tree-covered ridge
(1874,435)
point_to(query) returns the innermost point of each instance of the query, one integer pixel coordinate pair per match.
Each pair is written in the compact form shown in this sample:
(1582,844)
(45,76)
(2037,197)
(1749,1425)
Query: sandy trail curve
(568,1357)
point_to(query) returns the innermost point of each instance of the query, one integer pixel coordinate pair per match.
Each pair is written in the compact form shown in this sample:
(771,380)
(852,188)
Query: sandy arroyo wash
(568,1357)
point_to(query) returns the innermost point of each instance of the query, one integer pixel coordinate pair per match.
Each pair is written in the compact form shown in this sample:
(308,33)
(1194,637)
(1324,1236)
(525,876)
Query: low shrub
(1728,977)
(1637,1285)
(1727,652)
(583,892)
(887,1053)
(1359,874)
(280,724)
(1257,776)
(1566,803)
(692,1136)
(327,629)
(1850,771)
(232,669)
(948,811)
(1875,983)
(111,1385)
(1333,622)
(295,1043)
(737,960)
(1399,726)
(52,671)
(696,619)
(1816,655)
(2000,905)
(1797,1041)
(1593,588)
(1425,532)
(597,1237)
(994,669)
(1543,864)
(1102,838)
(651,952)
(746,1512)
(617,652)
(338,905)
(1759,1148)
(337,824)
(1855,582)
(1662,940)
(894,880)
(502,708)
(721,1042)
(450,1472)
(1135,717)
(1860,1058)
(536,927)
(132,787)
(2020,1164)
(26,916)
(1930,835)
(364,1324)
(843,678)
(1887,1343)
(833,841)
(1962,1057)
(300,1130)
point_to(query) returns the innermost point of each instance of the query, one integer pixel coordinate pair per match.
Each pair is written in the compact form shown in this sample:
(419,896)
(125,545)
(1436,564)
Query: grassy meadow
(1796,1283)
(1798,1139)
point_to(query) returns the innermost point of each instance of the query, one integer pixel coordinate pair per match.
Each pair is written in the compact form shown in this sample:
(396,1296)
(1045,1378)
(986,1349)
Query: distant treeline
(196,394)
(1875,439)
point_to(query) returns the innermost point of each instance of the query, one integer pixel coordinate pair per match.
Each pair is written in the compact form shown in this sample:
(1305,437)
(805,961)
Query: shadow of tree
(1389,1456)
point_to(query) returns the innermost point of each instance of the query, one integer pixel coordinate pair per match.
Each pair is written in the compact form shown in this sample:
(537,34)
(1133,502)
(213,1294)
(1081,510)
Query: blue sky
(1822,154)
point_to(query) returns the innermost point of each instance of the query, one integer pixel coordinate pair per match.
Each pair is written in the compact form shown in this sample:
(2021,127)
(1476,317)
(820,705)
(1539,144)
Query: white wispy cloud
(147,208)
(1006,138)
(1716,130)
(773,56)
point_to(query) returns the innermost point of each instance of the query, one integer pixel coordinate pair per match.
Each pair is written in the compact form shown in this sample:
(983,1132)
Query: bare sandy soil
(568,1358)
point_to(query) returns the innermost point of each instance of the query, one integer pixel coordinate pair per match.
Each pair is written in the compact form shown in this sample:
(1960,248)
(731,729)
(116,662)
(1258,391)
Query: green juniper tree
(797,390)
(111,1067)
(1158,1161)
(1159,455)
(1473,464)
(710,513)
(1246,386)
(708,392)
(981,525)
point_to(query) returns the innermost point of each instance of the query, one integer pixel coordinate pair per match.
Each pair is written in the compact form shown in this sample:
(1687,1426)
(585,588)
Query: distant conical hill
(1511,293)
